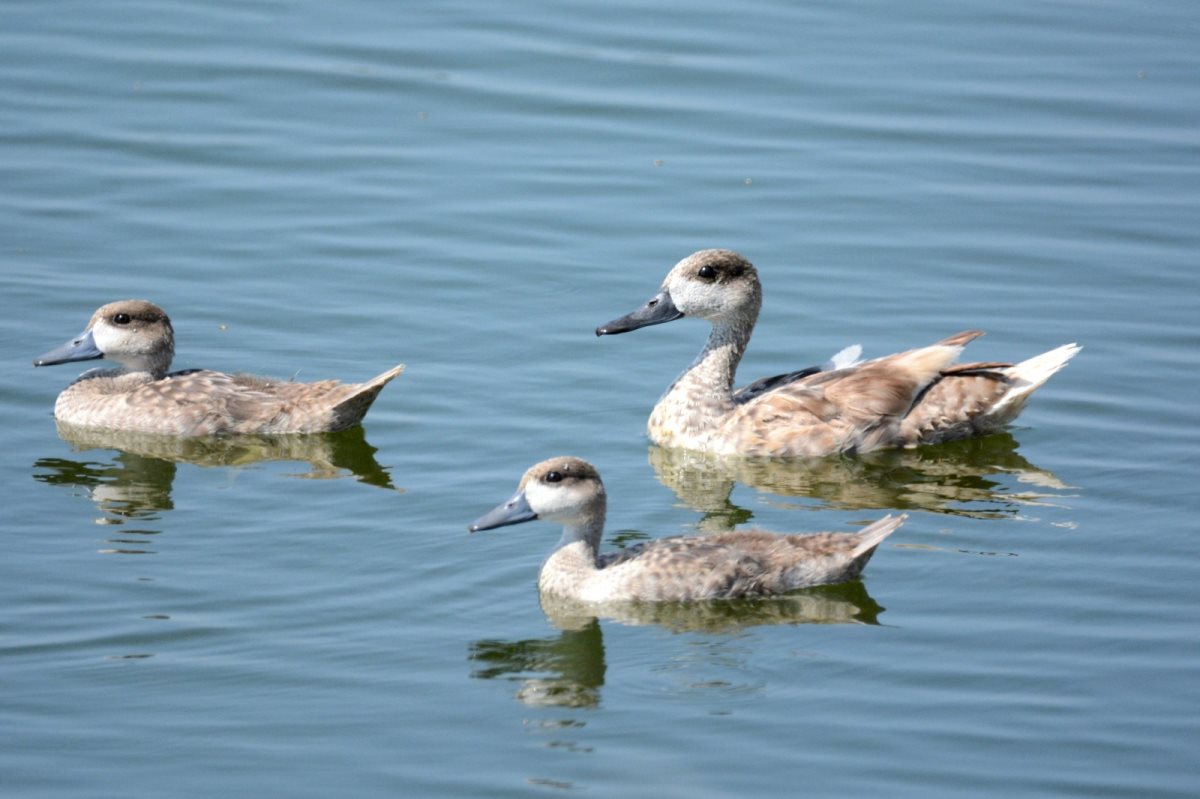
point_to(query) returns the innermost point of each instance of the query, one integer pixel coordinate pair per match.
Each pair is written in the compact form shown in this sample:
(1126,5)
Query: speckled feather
(902,400)
(736,564)
(141,396)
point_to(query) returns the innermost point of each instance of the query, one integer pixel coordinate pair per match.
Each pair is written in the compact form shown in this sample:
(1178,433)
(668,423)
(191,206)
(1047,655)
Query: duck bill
(81,348)
(515,511)
(658,310)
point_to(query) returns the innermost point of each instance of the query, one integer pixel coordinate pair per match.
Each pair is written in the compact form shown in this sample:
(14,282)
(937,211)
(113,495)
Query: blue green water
(324,190)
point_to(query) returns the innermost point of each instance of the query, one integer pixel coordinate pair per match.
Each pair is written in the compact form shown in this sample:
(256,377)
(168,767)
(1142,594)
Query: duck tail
(1028,375)
(1040,368)
(873,534)
(381,380)
(351,409)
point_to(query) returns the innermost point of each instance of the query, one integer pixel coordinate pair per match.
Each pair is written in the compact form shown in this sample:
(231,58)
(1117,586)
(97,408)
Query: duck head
(565,490)
(134,333)
(717,285)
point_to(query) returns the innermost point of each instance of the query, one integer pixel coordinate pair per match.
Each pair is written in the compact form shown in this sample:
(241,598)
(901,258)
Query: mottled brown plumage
(902,400)
(683,568)
(141,396)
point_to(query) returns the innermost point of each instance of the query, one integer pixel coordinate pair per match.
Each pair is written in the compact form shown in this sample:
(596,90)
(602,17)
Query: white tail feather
(1030,374)
(1040,368)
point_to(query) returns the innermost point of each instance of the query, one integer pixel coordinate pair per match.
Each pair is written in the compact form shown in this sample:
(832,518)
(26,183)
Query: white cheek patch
(683,293)
(690,298)
(108,339)
(551,502)
(122,344)
(538,497)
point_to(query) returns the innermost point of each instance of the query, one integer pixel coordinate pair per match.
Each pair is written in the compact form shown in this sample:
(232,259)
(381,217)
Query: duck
(568,490)
(904,400)
(141,395)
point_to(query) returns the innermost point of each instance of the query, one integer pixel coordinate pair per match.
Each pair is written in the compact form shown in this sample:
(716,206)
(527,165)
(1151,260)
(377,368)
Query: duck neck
(574,557)
(582,538)
(121,378)
(141,372)
(700,399)
(151,366)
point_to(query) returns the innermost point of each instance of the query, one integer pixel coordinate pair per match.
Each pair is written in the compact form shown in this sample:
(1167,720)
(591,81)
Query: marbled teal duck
(903,400)
(140,395)
(568,491)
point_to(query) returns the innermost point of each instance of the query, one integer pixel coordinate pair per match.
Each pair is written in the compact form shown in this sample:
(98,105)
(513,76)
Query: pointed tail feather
(960,339)
(1029,375)
(1040,368)
(385,378)
(873,534)
(351,410)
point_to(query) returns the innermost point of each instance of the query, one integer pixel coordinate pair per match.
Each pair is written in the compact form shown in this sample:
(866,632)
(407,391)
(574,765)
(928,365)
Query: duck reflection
(129,487)
(568,669)
(845,603)
(565,670)
(982,478)
(136,482)
(329,454)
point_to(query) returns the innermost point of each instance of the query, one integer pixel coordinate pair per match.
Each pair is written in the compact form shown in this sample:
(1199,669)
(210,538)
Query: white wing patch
(844,359)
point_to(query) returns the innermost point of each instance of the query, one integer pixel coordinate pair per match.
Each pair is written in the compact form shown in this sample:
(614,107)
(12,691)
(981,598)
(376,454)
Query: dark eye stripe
(553,477)
(121,319)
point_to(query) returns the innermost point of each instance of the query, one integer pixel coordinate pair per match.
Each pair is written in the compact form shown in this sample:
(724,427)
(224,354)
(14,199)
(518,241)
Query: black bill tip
(658,310)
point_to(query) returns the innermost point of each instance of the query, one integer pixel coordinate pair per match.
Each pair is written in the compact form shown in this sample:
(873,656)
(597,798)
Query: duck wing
(686,568)
(843,359)
(743,563)
(766,384)
(859,408)
(292,407)
(202,402)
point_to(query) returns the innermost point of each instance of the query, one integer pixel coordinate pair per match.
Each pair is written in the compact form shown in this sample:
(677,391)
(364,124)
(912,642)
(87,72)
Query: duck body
(916,397)
(140,395)
(750,563)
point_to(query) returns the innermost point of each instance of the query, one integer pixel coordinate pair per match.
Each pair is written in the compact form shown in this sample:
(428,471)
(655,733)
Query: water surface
(325,190)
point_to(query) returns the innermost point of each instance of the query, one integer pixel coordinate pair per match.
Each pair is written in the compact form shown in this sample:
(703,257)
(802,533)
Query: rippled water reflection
(980,478)
(568,669)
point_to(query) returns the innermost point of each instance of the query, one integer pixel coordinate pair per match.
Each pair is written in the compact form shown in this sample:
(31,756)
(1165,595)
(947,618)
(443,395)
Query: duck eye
(554,477)
(122,319)
(707,273)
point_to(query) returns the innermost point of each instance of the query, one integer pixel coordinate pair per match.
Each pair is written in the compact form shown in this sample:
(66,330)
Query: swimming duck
(141,396)
(903,400)
(568,491)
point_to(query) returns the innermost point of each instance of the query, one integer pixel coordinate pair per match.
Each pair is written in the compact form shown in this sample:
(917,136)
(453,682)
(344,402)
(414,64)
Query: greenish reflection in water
(563,670)
(135,482)
(329,454)
(981,478)
(568,669)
